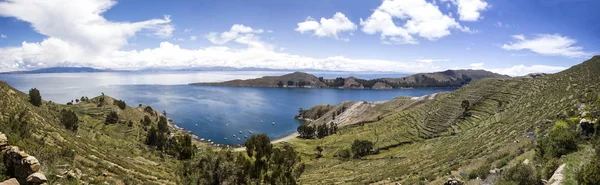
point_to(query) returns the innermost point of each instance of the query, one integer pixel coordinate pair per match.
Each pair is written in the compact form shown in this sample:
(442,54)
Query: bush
(361,148)
(112,118)
(343,154)
(560,141)
(520,174)
(69,119)
(480,172)
(549,168)
(149,110)
(146,121)
(34,97)
(121,104)
(590,173)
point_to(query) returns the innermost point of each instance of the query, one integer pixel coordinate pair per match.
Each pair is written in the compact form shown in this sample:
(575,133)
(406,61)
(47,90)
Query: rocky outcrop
(20,165)
(455,181)
(557,177)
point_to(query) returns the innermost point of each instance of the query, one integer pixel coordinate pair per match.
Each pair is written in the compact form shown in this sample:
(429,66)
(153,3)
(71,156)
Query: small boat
(233,135)
(225,138)
(196,124)
(245,136)
(250,132)
(261,121)
(273,123)
(238,139)
(229,120)
(227,124)
(241,132)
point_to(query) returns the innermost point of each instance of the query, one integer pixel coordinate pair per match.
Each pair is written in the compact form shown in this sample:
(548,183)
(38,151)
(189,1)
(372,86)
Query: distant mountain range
(448,78)
(64,70)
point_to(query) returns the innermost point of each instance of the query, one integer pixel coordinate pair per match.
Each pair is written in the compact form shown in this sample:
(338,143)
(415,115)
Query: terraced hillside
(96,153)
(430,142)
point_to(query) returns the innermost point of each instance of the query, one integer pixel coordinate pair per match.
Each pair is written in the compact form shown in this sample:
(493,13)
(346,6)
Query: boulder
(12,181)
(585,114)
(37,178)
(33,163)
(3,140)
(454,182)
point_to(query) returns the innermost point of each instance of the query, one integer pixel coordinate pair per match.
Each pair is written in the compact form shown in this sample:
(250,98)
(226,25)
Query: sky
(404,36)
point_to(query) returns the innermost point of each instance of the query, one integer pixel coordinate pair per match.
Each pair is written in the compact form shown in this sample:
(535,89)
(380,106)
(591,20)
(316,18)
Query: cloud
(81,22)
(420,18)
(79,35)
(519,70)
(431,60)
(469,10)
(547,44)
(327,27)
(238,33)
(3,36)
(187,30)
(193,38)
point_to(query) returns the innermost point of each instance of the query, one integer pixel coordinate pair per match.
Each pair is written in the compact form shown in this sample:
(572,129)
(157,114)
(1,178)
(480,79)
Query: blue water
(219,112)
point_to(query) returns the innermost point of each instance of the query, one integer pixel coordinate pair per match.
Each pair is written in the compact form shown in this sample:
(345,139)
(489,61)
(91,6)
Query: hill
(441,139)
(448,78)
(62,70)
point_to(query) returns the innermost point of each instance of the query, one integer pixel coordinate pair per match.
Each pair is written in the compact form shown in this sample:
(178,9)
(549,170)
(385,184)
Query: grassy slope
(116,150)
(454,144)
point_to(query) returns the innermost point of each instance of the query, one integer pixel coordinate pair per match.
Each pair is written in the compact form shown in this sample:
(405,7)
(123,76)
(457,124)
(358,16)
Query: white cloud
(193,38)
(431,60)
(3,36)
(519,70)
(547,44)
(477,65)
(420,18)
(327,27)
(239,33)
(469,10)
(79,35)
(187,30)
(80,23)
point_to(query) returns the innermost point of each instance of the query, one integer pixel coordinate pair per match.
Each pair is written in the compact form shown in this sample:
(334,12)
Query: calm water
(219,112)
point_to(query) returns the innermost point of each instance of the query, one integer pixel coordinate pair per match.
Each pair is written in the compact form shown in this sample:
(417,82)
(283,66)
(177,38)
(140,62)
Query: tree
(280,84)
(34,97)
(163,127)
(121,104)
(260,148)
(290,83)
(69,120)
(306,131)
(361,148)
(146,121)
(112,118)
(76,100)
(322,130)
(164,113)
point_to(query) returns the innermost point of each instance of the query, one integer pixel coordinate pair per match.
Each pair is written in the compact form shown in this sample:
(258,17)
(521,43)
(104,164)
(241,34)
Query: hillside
(95,153)
(438,139)
(449,78)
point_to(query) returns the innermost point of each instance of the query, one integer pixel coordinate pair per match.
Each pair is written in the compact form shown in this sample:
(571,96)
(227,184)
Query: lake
(218,112)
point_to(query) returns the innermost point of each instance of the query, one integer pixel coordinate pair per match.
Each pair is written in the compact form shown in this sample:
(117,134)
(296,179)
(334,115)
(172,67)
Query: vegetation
(520,174)
(34,97)
(112,118)
(69,119)
(361,148)
(121,104)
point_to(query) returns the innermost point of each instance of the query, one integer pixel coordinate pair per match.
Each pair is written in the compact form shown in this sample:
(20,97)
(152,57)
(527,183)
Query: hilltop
(440,138)
(448,78)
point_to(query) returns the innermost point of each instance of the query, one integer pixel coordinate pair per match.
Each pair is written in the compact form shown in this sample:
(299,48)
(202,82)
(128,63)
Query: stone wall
(23,168)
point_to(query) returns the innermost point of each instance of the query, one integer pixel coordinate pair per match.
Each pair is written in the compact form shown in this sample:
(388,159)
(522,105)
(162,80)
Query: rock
(33,163)
(585,114)
(454,182)
(526,162)
(12,181)
(3,140)
(37,178)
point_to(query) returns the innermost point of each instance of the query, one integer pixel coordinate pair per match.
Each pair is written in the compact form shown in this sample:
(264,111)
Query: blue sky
(407,36)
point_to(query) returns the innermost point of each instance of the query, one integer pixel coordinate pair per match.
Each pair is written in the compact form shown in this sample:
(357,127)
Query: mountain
(491,131)
(449,78)
(63,70)
(429,139)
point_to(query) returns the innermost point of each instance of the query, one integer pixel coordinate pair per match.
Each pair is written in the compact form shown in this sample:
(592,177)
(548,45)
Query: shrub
(549,168)
(69,119)
(343,154)
(149,110)
(560,141)
(146,121)
(34,97)
(520,174)
(590,172)
(112,118)
(121,104)
(361,148)
(480,172)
